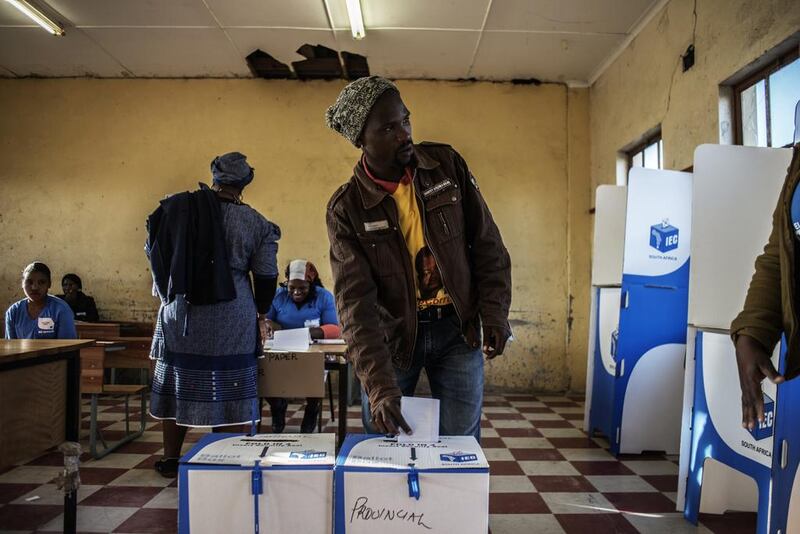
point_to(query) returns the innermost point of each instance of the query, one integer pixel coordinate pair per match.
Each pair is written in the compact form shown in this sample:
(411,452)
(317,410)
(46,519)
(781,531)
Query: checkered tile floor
(546,477)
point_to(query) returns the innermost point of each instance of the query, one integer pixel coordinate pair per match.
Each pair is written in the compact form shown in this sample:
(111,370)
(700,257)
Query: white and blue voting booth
(277,483)
(608,248)
(641,380)
(385,486)
(723,466)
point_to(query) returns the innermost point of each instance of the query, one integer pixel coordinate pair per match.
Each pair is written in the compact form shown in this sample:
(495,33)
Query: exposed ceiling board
(271,13)
(162,52)
(504,56)
(34,52)
(11,15)
(134,12)
(415,53)
(458,14)
(405,39)
(581,16)
(280,44)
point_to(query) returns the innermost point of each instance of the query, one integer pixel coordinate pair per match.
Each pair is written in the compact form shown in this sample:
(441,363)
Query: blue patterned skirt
(206,371)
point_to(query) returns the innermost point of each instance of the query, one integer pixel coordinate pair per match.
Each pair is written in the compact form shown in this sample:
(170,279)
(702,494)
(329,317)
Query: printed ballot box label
(407,487)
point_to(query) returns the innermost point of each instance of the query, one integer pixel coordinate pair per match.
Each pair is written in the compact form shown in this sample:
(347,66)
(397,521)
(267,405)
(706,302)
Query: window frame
(653,138)
(762,74)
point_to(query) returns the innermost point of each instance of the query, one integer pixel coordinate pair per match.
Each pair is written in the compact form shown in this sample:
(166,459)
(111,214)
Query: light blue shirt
(316,311)
(55,321)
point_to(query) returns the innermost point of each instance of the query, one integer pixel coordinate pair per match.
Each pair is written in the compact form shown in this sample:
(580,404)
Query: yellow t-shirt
(427,278)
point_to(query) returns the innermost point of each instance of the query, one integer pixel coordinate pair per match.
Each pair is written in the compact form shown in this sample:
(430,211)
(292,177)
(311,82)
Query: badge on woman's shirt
(46,325)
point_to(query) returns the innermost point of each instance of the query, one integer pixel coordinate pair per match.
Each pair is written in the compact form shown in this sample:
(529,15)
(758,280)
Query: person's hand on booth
(754,365)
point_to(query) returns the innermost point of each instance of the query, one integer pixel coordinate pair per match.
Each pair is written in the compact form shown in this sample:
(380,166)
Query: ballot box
(389,487)
(276,483)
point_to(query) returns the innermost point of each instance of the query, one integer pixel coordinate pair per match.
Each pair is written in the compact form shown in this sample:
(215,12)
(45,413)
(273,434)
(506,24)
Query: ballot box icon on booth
(763,429)
(664,237)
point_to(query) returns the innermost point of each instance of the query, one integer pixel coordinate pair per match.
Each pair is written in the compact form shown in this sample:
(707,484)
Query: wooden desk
(97,330)
(40,381)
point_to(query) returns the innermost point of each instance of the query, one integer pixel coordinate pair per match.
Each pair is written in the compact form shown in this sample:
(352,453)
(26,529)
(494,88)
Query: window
(649,154)
(765,103)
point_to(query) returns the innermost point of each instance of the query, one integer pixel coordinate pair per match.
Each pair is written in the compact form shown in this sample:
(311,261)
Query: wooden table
(18,361)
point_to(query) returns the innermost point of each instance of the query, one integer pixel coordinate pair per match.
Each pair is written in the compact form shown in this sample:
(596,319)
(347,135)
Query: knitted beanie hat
(351,109)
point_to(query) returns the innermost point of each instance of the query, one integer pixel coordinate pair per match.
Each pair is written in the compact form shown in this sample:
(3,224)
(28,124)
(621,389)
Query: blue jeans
(455,373)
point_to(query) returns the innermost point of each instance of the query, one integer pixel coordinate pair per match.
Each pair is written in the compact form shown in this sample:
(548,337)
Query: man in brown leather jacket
(418,263)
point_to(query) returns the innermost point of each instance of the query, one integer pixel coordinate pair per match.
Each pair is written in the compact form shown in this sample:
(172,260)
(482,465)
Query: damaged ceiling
(550,40)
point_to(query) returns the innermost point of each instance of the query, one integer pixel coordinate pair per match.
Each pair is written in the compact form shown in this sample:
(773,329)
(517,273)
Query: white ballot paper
(422,415)
(292,340)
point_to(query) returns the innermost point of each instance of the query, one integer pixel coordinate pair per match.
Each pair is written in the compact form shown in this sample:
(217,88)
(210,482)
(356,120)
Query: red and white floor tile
(546,477)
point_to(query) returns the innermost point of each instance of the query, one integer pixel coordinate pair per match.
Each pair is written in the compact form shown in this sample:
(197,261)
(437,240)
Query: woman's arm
(65,327)
(10,330)
(91,310)
(329,323)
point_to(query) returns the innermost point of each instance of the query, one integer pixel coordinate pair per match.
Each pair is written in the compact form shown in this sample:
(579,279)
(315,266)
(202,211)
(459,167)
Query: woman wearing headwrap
(302,302)
(206,350)
(82,305)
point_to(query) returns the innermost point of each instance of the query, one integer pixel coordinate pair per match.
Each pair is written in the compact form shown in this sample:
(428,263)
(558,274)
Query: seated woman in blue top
(39,315)
(301,302)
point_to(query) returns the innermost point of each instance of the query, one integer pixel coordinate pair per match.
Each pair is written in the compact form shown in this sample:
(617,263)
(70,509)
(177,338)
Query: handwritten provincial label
(361,511)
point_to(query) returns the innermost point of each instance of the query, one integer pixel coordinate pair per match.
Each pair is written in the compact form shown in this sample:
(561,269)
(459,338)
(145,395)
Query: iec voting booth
(636,360)
(608,248)
(724,466)
(277,483)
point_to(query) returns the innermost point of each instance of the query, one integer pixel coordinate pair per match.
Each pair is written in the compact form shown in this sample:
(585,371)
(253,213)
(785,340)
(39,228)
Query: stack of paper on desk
(292,340)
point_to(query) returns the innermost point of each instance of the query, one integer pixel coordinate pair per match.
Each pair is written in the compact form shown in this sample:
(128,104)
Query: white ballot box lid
(270,449)
(382,453)
(609,234)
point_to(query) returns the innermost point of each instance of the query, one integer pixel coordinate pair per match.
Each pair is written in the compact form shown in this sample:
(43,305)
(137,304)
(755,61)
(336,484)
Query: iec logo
(663,237)
(458,457)
(308,455)
(764,430)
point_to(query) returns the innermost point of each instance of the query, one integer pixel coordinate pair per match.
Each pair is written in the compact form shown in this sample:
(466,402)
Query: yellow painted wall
(85,162)
(646,87)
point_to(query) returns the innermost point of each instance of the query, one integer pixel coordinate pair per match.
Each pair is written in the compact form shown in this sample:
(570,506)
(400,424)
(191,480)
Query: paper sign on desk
(422,415)
(292,340)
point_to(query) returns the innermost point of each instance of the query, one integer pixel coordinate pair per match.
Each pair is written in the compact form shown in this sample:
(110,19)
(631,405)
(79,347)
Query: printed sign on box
(385,486)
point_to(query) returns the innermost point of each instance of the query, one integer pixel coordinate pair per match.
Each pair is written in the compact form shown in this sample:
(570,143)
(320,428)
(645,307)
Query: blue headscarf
(232,169)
